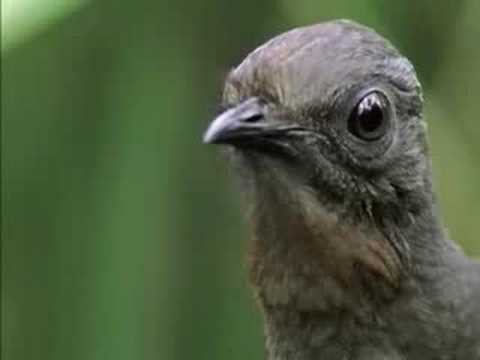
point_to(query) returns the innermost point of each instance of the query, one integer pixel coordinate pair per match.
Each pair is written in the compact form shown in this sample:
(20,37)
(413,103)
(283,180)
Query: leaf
(22,19)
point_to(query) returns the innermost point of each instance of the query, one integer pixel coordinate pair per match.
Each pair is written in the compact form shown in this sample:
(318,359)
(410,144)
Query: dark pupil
(367,119)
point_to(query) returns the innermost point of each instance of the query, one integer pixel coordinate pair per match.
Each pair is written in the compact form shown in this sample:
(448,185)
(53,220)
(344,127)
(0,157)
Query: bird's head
(329,117)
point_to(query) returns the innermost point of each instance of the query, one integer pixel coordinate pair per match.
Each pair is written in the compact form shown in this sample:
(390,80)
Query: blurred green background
(121,236)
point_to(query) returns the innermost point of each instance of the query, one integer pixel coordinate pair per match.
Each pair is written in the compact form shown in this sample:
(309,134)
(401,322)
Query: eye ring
(370,117)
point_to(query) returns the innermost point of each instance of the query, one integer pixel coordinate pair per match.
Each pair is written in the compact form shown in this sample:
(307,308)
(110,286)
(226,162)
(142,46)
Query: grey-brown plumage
(348,258)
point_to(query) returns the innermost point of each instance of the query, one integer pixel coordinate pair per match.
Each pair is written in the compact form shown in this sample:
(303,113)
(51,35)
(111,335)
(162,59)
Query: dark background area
(121,236)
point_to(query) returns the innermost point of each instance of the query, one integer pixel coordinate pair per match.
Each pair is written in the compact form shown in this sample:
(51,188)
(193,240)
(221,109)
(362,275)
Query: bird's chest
(337,352)
(293,335)
(307,257)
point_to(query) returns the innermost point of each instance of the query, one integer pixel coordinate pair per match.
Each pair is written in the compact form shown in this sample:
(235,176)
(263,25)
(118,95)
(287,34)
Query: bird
(348,256)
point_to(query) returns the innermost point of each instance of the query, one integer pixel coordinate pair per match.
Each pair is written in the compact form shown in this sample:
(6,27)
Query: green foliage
(22,19)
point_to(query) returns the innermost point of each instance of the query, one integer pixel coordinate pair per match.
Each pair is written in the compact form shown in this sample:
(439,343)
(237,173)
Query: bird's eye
(370,117)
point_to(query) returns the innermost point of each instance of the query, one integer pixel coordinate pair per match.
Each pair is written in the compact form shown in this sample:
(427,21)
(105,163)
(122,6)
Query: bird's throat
(312,270)
(309,258)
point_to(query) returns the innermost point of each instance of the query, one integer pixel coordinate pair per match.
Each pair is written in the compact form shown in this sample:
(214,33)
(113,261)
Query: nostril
(254,118)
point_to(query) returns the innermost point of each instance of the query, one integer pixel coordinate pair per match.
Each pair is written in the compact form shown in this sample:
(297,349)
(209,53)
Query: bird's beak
(242,122)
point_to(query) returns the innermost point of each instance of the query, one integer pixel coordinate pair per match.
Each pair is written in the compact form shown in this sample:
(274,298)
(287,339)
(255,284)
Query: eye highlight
(370,117)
